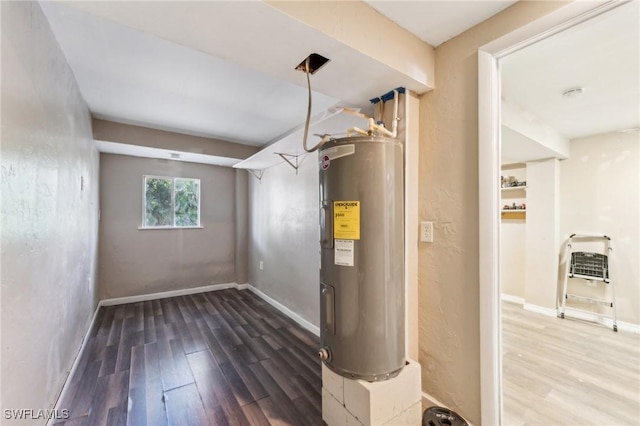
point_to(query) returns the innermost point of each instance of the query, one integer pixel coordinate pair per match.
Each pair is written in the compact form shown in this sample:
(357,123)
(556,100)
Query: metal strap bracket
(288,158)
(257,173)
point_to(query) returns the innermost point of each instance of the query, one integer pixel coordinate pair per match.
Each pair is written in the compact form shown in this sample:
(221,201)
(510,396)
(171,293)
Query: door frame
(489,96)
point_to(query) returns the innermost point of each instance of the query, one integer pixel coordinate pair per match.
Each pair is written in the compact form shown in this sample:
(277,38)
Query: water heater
(362,303)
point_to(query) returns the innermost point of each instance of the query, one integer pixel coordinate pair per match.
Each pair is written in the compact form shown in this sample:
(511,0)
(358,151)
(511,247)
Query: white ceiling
(225,69)
(167,65)
(518,148)
(438,21)
(600,55)
(137,78)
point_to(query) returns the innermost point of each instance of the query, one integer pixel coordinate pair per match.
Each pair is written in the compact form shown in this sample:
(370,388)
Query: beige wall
(599,193)
(133,261)
(448,268)
(110,131)
(49,213)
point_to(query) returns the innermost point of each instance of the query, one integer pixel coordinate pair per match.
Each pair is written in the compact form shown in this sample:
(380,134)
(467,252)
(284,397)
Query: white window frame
(173,202)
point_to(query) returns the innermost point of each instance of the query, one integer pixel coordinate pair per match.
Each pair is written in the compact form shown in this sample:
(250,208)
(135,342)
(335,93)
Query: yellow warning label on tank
(346,220)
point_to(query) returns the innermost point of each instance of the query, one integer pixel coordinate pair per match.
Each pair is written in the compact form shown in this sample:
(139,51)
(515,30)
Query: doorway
(490,64)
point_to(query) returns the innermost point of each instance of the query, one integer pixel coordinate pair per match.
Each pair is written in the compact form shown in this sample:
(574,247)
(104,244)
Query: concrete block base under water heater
(396,401)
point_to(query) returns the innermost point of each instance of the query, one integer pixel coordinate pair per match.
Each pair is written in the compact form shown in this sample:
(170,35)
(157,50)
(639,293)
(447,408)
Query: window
(171,202)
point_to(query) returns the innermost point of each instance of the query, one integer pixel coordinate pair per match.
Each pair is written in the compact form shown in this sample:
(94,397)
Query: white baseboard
(286,311)
(172,293)
(583,315)
(214,287)
(513,299)
(540,309)
(431,401)
(74,367)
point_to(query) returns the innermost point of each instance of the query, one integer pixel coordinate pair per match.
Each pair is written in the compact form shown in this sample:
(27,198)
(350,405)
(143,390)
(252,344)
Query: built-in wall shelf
(514,214)
(513,199)
(333,121)
(513,188)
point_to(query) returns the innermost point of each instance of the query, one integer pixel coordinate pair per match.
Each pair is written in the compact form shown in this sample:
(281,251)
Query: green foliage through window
(171,202)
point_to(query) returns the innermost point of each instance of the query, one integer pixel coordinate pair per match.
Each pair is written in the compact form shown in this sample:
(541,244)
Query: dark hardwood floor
(217,358)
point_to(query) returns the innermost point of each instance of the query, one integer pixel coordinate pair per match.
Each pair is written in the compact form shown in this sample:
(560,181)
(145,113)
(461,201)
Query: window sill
(154,228)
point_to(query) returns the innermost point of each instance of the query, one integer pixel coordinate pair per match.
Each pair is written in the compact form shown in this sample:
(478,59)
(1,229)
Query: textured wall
(448,268)
(284,234)
(133,261)
(49,212)
(599,193)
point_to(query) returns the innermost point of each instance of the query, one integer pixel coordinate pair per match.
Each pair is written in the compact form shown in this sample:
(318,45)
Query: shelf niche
(514,195)
(517,214)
